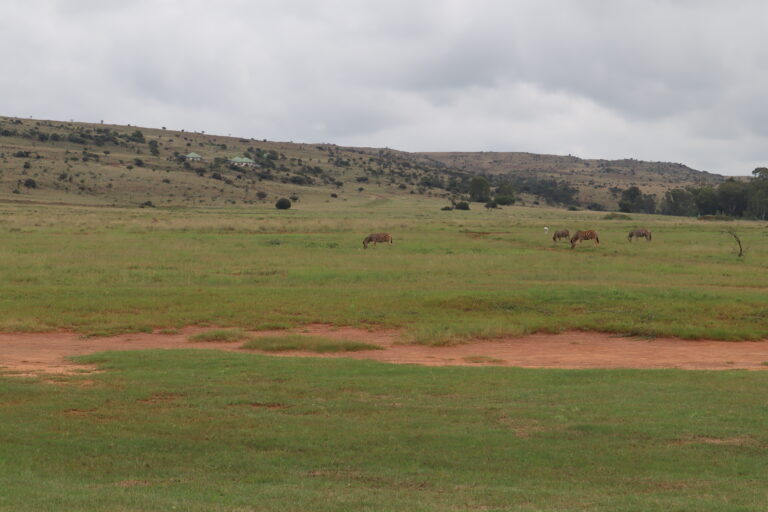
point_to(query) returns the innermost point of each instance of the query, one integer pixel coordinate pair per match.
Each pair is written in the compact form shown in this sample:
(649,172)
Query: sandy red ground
(35,353)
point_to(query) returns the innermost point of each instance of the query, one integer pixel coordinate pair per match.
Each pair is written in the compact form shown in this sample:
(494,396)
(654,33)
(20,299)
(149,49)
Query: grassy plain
(197,430)
(449,275)
(205,431)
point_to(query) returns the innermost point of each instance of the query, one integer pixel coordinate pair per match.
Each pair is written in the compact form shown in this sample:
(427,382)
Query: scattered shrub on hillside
(491,205)
(617,216)
(147,204)
(447,208)
(30,183)
(283,203)
(462,205)
(261,194)
(505,200)
(137,136)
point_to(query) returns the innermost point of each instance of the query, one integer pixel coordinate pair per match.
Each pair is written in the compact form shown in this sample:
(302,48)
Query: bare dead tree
(735,235)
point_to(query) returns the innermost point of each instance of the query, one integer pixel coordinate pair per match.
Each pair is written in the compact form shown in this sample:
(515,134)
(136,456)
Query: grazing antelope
(584,235)
(377,237)
(639,233)
(563,233)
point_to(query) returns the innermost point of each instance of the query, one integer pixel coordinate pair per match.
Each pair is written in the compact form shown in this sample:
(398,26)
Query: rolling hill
(87,163)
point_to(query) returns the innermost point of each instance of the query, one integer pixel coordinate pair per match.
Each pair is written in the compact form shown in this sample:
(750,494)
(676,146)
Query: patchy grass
(206,431)
(482,360)
(229,335)
(317,344)
(110,271)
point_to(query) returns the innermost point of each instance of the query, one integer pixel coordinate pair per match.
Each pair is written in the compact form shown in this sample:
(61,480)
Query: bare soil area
(41,353)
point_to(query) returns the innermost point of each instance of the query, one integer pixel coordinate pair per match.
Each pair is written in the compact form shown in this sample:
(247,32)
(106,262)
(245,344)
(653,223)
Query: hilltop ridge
(94,163)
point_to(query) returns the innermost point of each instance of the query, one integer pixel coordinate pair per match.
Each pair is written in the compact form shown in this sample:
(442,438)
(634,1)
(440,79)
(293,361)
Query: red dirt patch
(35,353)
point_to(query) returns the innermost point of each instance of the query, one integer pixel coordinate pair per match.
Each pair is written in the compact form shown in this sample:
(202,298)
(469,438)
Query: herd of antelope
(591,234)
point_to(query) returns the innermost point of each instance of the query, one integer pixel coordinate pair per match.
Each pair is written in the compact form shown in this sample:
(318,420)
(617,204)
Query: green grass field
(198,430)
(449,276)
(203,431)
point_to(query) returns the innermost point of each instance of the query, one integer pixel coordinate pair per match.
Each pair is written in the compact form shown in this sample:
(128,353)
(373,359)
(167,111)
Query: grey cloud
(664,80)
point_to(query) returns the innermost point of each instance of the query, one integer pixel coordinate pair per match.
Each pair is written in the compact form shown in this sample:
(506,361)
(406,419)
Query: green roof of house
(241,160)
(193,155)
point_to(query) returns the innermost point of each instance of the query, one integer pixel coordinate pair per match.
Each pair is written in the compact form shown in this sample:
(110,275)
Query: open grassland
(449,276)
(206,431)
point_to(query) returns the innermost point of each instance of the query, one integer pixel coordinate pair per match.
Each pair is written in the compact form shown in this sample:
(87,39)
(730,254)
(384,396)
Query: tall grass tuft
(317,344)
(229,335)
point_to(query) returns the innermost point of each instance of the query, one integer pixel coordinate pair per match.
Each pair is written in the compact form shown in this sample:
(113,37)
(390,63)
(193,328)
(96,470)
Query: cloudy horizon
(658,80)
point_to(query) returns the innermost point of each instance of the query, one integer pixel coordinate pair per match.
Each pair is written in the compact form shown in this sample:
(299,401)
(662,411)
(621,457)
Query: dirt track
(35,353)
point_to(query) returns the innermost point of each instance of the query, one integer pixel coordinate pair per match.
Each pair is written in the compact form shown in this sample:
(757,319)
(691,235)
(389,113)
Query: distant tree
(634,201)
(283,203)
(153,148)
(679,202)
(479,190)
(462,205)
(30,183)
(706,200)
(137,136)
(505,194)
(732,197)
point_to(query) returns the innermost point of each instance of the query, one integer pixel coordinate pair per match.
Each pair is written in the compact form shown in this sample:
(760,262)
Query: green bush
(283,203)
(463,205)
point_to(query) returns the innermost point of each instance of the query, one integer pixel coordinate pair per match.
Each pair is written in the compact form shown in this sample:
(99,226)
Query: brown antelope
(377,237)
(563,233)
(584,235)
(639,233)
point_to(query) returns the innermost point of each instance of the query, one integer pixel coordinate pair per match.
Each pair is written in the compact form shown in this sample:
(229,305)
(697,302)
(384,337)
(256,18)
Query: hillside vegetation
(106,164)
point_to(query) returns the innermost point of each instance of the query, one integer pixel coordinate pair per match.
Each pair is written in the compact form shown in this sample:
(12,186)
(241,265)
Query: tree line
(733,198)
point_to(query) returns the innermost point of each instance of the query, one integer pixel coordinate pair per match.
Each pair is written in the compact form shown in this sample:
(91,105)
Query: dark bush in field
(283,203)
(463,205)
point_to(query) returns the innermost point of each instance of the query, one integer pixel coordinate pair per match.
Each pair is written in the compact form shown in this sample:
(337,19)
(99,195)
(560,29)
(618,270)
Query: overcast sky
(683,81)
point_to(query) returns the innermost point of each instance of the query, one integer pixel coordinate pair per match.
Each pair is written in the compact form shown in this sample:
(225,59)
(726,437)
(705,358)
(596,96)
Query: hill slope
(89,163)
(597,180)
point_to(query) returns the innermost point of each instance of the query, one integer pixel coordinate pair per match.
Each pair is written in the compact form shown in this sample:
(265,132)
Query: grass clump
(230,335)
(617,216)
(482,360)
(317,344)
